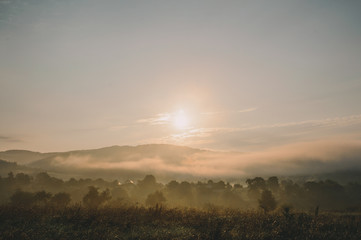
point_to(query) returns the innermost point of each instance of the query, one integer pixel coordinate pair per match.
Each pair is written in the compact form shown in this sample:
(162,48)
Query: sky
(244,76)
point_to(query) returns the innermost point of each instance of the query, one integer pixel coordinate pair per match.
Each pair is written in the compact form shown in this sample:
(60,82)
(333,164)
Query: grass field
(76,222)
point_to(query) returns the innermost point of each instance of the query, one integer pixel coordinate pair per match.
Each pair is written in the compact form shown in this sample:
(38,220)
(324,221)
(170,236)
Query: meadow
(79,222)
(44,207)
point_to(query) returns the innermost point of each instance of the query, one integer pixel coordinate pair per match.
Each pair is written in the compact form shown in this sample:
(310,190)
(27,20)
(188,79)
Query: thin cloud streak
(247,110)
(228,112)
(203,133)
(328,122)
(159,119)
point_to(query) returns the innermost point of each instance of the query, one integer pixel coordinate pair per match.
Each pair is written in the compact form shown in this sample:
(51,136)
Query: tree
(42,197)
(120,196)
(61,199)
(45,180)
(267,201)
(255,186)
(230,199)
(22,178)
(256,183)
(11,178)
(273,184)
(22,199)
(94,199)
(154,199)
(148,184)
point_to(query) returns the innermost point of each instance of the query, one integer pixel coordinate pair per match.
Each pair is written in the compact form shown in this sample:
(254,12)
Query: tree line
(256,193)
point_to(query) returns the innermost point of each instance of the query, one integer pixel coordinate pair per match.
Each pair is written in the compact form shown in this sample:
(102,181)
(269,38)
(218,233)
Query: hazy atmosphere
(237,75)
(180,119)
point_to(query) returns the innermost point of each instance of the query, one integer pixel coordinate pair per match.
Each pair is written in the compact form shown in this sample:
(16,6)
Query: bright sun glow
(180,120)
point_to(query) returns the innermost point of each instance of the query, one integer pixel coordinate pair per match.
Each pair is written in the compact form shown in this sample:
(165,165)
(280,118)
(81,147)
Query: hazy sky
(226,75)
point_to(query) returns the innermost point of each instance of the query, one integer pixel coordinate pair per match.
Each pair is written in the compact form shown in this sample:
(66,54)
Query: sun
(180,120)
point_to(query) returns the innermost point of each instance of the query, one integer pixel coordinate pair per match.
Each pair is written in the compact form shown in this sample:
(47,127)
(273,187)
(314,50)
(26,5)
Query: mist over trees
(169,162)
(258,193)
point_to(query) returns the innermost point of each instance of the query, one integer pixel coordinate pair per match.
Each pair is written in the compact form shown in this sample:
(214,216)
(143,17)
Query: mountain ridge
(38,159)
(182,162)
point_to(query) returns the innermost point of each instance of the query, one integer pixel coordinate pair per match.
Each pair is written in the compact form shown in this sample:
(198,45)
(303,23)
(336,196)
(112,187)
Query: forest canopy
(257,193)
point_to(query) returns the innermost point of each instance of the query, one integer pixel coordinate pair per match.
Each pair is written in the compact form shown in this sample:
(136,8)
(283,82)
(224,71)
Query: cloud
(159,119)
(228,112)
(167,118)
(288,148)
(304,158)
(247,110)
(301,158)
(262,136)
(328,122)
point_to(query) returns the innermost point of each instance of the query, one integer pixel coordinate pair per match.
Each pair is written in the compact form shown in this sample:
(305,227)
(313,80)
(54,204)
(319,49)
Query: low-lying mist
(317,157)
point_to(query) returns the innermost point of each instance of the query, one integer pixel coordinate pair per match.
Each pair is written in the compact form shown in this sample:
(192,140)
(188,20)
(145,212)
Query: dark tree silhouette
(22,199)
(42,197)
(10,178)
(61,199)
(43,179)
(273,184)
(22,178)
(94,199)
(146,186)
(267,201)
(255,186)
(154,199)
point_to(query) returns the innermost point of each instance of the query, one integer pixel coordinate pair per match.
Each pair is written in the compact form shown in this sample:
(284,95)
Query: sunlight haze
(249,75)
(180,119)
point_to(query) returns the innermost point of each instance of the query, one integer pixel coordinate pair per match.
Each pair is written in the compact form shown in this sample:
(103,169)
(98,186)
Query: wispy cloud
(328,122)
(195,136)
(271,134)
(159,119)
(247,110)
(166,118)
(230,112)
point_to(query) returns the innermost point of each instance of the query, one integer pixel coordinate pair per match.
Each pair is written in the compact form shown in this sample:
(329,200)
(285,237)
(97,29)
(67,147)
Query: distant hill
(114,161)
(5,164)
(6,167)
(176,162)
(23,156)
(114,154)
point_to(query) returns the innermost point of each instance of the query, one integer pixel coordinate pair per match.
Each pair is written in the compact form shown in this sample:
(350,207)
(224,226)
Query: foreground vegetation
(44,207)
(76,222)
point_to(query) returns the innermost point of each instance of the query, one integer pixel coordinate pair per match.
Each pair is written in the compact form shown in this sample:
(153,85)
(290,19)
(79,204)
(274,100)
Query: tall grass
(77,222)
